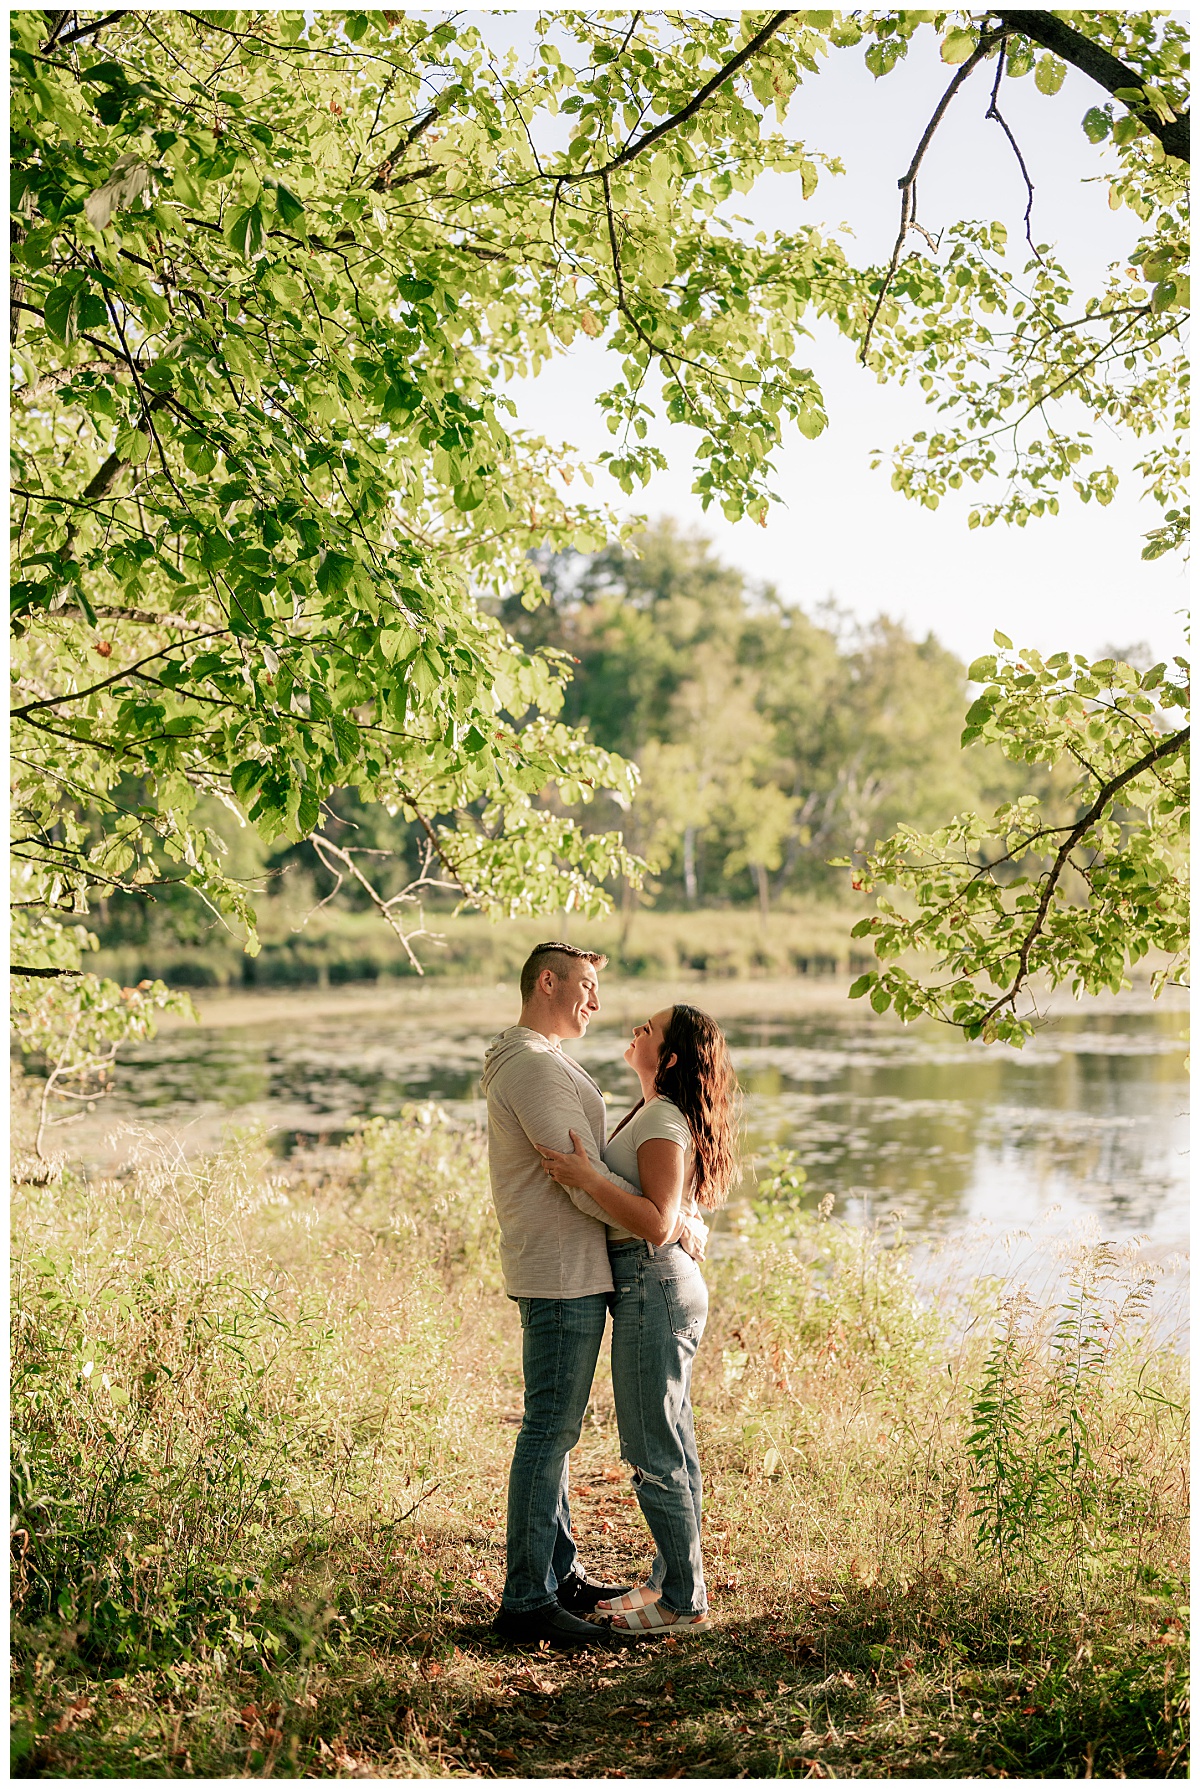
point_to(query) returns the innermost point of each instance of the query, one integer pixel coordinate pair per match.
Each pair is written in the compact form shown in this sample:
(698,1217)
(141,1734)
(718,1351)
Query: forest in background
(769,739)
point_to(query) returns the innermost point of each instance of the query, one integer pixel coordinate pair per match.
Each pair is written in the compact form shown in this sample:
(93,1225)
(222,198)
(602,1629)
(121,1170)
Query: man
(554,1255)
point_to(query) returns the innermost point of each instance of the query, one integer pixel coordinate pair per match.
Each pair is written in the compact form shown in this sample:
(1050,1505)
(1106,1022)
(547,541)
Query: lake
(1087,1123)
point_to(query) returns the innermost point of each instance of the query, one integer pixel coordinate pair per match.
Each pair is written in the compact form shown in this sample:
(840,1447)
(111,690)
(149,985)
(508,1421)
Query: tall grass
(261,1425)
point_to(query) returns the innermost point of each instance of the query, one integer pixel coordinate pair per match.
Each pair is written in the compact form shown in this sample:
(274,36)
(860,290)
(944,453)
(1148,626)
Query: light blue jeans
(660,1305)
(560,1347)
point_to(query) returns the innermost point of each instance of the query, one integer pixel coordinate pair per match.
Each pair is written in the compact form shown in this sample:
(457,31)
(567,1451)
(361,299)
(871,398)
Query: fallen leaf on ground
(79,1710)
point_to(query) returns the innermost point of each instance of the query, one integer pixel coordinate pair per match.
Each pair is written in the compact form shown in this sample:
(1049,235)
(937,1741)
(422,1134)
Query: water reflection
(1089,1117)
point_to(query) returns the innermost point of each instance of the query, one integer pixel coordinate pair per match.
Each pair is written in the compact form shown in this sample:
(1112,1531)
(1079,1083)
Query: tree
(269,268)
(999,351)
(767,738)
(994,902)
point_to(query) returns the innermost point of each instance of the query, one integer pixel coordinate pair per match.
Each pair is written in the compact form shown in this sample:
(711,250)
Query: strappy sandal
(640,1598)
(651,1622)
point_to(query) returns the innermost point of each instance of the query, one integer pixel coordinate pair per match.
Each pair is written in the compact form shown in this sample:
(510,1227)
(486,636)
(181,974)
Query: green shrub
(261,1426)
(209,1369)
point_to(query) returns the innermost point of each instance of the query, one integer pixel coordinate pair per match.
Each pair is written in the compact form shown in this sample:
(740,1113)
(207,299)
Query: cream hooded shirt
(553,1241)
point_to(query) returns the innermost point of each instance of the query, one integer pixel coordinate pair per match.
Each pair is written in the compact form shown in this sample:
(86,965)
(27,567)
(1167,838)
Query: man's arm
(546,1102)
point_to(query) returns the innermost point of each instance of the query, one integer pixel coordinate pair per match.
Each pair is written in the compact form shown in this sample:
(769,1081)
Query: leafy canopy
(270,271)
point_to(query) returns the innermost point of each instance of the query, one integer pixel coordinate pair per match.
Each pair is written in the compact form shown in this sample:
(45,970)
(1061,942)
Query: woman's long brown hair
(701,1082)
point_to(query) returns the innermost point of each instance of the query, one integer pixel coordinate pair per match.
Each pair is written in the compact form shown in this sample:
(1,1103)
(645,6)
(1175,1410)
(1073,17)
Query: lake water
(1089,1121)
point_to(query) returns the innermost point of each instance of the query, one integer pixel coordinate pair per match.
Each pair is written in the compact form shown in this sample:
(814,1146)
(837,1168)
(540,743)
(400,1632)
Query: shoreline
(496,1002)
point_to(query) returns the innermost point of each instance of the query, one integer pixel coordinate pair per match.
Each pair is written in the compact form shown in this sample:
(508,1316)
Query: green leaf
(1002,640)
(215,549)
(883,56)
(811,422)
(346,737)
(246,777)
(397,642)
(61,307)
(287,205)
(959,46)
(246,234)
(1049,74)
(334,572)
(858,988)
(308,813)
(198,454)
(469,495)
(133,445)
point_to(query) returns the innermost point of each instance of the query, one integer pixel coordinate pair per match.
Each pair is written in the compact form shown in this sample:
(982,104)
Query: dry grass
(263,1428)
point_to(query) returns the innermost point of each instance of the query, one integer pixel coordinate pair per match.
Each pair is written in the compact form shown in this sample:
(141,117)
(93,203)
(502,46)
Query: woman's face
(646,1046)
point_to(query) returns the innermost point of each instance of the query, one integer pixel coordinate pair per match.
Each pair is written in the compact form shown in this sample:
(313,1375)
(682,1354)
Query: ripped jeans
(660,1304)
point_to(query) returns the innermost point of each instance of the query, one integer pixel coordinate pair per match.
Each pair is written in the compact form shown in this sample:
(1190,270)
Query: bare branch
(993,112)
(908,182)
(53,38)
(326,849)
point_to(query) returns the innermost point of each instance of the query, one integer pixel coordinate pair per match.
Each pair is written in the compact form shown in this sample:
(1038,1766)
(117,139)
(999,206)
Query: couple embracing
(591,1225)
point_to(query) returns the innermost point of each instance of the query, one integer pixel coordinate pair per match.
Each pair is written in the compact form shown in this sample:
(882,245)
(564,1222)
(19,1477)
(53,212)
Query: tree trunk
(764,893)
(628,909)
(689,864)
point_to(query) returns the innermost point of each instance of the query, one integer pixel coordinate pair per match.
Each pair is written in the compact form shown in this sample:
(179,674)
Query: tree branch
(321,845)
(1101,66)
(383,178)
(17,969)
(81,31)
(50,42)
(78,695)
(908,182)
(1166,748)
(631,150)
(993,112)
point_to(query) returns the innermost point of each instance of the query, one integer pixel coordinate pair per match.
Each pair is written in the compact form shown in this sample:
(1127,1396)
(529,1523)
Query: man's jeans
(560,1346)
(660,1305)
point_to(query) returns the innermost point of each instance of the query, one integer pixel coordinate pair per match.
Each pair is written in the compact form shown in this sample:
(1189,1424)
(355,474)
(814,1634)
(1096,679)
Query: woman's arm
(654,1214)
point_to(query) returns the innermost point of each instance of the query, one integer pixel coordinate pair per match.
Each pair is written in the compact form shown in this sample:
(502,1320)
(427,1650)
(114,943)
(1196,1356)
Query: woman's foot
(652,1618)
(633,1599)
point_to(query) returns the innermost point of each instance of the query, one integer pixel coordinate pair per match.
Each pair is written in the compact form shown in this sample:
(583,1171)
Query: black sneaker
(554,1624)
(580,1595)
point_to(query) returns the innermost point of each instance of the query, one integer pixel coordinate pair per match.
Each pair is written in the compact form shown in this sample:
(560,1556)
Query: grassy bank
(262,1428)
(336,946)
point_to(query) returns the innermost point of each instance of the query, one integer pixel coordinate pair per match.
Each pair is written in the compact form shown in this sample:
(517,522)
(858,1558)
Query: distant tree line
(769,739)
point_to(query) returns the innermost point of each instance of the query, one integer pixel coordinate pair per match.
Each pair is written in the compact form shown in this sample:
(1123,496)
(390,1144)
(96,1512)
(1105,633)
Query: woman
(678,1147)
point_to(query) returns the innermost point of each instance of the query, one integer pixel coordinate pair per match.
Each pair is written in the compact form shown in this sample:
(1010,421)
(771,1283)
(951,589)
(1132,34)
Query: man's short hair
(557,957)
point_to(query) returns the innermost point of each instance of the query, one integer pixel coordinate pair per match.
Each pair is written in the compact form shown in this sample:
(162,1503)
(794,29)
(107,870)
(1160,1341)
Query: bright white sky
(1075,581)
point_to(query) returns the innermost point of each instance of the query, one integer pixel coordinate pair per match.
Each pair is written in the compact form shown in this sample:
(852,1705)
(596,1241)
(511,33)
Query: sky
(1076,581)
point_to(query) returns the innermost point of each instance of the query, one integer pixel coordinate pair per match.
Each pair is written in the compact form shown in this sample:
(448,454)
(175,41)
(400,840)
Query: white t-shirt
(658,1118)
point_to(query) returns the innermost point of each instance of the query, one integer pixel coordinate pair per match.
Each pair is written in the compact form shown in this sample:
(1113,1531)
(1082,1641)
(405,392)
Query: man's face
(576,997)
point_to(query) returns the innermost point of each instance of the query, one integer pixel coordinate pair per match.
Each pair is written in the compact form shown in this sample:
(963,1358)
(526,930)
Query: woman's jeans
(560,1339)
(660,1304)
